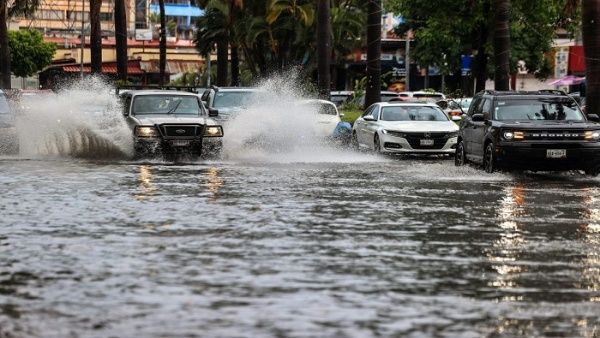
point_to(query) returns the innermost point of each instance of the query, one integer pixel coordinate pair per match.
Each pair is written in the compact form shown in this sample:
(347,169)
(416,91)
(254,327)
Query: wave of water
(82,120)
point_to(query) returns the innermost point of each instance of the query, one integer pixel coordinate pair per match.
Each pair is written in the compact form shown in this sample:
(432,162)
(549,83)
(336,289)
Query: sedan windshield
(319,108)
(166,104)
(561,109)
(412,113)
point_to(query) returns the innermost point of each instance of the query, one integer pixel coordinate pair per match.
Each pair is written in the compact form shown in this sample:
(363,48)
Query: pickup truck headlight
(146,131)
(453,134)
(213,131)
(513,135)
(593,135)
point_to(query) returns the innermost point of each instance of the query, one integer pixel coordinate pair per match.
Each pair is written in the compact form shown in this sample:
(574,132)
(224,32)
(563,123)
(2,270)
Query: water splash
(82,120)
(277,127)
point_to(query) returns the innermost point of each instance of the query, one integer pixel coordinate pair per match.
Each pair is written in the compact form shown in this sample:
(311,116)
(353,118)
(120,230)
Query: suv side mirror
(213,112)
(593,117)
(478,118)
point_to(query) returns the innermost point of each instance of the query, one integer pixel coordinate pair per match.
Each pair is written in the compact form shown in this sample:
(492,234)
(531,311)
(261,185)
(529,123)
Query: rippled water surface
(343,245)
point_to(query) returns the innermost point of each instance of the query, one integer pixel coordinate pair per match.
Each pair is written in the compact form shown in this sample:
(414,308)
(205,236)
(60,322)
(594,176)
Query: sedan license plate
(426,142)
(556,153)
(180,143)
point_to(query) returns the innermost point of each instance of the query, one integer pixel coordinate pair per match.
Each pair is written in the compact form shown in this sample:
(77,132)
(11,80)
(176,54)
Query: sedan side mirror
(478,118)
(369,118)
(213,112)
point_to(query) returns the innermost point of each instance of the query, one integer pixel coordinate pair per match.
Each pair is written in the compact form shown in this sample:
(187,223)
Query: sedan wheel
(460,157)
(354,141)
(377,144)
(489,160)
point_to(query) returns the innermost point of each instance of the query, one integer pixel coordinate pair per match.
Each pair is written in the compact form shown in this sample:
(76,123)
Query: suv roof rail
(517,92)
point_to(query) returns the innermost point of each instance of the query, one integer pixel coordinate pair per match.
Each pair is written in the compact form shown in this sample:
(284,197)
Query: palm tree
(591,46)
(95,36)
(373,90)
(502,45)
(17,7)
(212,30)
(324,48)
(162,63)
(121,39)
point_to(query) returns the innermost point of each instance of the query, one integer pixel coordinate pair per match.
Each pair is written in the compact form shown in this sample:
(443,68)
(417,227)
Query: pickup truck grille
(181,131)
(439,140)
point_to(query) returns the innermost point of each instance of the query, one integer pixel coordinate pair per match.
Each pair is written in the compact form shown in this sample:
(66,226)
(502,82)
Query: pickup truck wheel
(460,157)
(489,160)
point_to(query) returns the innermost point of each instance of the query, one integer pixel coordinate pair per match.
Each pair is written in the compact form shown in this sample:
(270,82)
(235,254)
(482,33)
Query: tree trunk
(502,45)
(591,47)
(235,66)
(4,48)
(95,37)
(222,62)
(121,39)
(162,63)
(324,48)
(373,90)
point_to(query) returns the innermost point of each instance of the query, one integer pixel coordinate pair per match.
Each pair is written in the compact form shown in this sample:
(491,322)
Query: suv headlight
(146,131)
(593,135)
(513,135)
(213,131)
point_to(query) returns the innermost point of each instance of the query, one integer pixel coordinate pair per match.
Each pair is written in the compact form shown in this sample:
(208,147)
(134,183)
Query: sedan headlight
(394,133)
(146,131)
(513,135)
(593,135)
(213,131)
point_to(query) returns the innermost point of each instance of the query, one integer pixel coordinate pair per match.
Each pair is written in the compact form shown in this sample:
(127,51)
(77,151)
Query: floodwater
(305,241)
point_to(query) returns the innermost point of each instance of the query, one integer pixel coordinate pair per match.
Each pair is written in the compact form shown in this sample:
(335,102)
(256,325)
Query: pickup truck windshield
(552,109)
(165,104)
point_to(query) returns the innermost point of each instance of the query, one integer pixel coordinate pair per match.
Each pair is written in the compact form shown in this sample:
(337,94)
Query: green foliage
(190,79)
(453,27)
(351,114)
(29,53)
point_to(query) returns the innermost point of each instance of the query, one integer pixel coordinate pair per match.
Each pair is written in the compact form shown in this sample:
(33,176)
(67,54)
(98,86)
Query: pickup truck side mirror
(478,118)
(213,112)
(593,117)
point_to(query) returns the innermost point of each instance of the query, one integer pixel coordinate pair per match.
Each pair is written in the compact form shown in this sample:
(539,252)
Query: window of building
(45,14)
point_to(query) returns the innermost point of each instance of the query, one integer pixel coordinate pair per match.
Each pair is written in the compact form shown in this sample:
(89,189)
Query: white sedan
(418,128)
(326,113)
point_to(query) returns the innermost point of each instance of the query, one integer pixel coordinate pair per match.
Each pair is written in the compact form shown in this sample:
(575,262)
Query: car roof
(159,92)
(237,89)
(544,92)
(317,101)
(407,104)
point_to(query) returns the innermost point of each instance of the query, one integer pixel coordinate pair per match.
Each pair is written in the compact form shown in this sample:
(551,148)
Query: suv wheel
(460,157)
(489,160)
(377,144)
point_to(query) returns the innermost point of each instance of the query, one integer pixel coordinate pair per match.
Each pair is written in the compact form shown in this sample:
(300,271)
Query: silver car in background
(417,128)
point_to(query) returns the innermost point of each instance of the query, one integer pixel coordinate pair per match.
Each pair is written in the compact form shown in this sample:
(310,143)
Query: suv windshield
(553,109)
(3,105)
(165,104)
(412,113)
(225,99)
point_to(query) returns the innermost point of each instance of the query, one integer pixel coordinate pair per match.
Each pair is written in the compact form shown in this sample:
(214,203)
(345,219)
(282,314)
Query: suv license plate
(426,142)
(556,153)
(180,143)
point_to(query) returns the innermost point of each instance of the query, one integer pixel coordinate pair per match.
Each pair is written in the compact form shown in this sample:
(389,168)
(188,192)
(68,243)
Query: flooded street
(339,245)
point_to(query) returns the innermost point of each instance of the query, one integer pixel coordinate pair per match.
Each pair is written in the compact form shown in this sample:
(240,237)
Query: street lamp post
(82,35)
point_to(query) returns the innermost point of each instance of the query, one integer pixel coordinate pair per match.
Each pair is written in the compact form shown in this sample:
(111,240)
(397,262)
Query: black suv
(540,131)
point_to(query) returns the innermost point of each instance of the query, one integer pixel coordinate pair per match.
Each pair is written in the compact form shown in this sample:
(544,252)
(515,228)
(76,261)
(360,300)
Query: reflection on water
(400,248)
